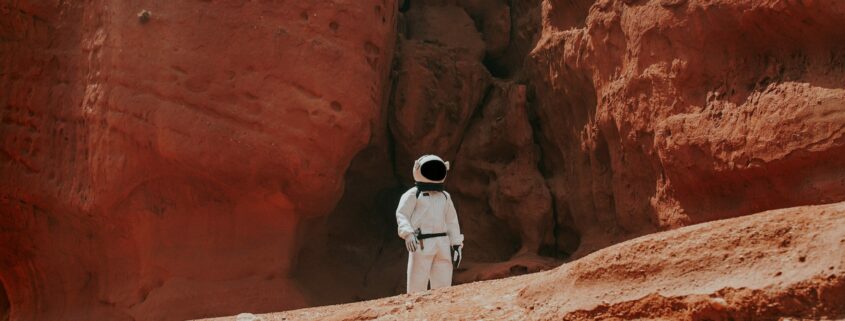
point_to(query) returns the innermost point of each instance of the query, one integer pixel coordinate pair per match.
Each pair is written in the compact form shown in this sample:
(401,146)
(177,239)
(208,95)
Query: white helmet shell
(436,175)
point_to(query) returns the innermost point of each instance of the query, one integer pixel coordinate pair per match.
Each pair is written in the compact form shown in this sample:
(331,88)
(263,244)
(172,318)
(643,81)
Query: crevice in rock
(575,168)
(391,140)
(604,200)
(495,68)
(476,116)
(566,239)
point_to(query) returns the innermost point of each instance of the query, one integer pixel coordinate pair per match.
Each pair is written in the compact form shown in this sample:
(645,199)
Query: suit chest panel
(432,204)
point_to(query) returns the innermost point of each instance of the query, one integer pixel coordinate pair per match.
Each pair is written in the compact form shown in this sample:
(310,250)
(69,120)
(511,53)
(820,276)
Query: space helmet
(430,169)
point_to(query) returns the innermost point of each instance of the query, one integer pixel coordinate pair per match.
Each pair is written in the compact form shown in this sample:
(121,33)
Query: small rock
(248,317)
(718,304)
(144,16)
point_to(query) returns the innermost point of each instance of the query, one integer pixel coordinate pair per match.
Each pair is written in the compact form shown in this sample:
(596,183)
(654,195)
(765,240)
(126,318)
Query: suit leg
(441,269)
(419,271)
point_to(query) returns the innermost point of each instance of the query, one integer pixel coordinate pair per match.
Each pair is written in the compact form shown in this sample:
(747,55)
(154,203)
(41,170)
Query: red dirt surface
(787,263)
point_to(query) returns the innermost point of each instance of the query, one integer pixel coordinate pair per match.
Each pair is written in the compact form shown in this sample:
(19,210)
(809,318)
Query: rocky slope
(160,156)
(777,264)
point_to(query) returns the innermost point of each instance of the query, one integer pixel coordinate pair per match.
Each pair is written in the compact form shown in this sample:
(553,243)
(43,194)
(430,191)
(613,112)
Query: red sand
(775,264)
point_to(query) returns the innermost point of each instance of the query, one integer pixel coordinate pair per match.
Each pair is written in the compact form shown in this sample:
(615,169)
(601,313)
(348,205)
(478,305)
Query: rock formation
(159,157)
(660,114)
(444,100)
(605,171)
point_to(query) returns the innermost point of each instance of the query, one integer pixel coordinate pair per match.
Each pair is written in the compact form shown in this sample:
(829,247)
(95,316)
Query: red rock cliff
(660,114)
(597,123)
(158,156)
(250,154)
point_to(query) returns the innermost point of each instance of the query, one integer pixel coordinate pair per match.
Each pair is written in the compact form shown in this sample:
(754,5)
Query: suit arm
(403,213)
(452,226)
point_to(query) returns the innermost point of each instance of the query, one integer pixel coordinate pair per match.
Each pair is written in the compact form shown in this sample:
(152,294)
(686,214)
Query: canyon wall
(160,156)
(660,114)
(597,123)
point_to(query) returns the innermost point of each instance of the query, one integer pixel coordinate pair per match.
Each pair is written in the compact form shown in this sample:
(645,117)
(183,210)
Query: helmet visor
(434,170)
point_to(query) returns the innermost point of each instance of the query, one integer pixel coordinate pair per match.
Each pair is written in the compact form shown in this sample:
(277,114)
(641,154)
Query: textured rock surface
(784,263)
(153,164)
(497,165)
(447,100)
(437,90)
(160,156)
(659,114)
(441,90)
(641,128)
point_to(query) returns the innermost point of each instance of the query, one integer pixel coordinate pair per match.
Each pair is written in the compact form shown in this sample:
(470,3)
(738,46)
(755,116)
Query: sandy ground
(787,263)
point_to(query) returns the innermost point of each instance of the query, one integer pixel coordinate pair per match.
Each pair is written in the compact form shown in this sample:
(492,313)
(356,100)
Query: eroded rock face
(436,91)
(497,165)
(659,114)
(155,162)
(157,158)
(446,102)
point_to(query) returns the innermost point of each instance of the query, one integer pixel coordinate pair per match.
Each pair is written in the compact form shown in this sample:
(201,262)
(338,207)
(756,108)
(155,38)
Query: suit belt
(421,236)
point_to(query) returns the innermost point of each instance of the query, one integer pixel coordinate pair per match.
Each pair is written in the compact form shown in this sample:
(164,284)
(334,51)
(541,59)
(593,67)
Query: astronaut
(428,223)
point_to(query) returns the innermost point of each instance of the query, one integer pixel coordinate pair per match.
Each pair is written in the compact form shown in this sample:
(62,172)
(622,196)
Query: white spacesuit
(428,223)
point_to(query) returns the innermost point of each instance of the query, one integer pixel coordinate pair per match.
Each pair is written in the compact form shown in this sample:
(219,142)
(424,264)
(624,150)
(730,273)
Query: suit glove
(411,242)
(456,255)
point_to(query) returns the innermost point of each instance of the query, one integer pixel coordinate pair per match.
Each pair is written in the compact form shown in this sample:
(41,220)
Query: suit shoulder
(412,190)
